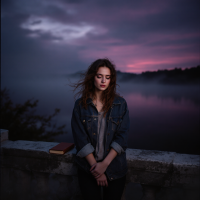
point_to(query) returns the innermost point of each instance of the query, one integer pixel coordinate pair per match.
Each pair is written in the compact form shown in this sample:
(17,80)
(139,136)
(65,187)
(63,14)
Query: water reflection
(164,124)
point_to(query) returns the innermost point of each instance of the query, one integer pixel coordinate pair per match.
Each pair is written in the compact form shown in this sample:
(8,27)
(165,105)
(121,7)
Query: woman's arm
(108,159)
(91,160)
(81,139)
(119,142)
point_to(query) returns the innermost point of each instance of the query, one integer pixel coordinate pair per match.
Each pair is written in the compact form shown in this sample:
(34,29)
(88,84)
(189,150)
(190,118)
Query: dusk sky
(64,36)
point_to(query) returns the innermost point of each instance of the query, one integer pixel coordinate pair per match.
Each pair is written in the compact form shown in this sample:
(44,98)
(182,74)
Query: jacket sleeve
(119,143)
(81,139)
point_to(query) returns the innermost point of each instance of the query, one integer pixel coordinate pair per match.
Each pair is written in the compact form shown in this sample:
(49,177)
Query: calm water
(163,117)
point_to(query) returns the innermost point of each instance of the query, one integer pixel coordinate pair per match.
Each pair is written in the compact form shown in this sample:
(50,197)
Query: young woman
(100,124)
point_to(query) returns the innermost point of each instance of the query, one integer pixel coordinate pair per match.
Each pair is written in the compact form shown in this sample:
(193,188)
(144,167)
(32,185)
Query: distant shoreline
(180,76)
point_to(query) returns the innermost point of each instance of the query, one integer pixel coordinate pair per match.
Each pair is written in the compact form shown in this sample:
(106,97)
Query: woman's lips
(102,85)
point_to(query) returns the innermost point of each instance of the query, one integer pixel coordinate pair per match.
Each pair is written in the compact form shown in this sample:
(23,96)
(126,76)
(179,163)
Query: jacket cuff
(87,149)
(117,147)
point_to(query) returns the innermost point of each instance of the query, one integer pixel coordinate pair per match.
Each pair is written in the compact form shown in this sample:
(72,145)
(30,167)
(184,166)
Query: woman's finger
(93,166)
(97,175)
(106,183)
(94,172)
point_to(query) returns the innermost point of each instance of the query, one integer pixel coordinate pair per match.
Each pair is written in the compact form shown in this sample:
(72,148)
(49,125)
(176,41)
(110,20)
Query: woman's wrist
(106,162)
(92,164)
(108,159)
(91,160)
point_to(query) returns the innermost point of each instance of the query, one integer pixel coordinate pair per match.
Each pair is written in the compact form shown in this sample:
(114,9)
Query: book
(62,148)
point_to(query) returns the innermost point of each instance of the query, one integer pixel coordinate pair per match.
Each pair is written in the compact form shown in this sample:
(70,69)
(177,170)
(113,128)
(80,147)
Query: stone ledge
(150,167)
(150,160)
(186,163)
(4,135)
(34,149)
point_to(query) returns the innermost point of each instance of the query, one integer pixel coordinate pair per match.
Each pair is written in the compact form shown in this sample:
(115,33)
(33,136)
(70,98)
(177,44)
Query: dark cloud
(7,4)
(24,57)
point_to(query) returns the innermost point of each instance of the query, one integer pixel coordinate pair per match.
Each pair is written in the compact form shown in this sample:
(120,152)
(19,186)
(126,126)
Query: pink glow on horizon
(155,103)
(136,58)
(144,65)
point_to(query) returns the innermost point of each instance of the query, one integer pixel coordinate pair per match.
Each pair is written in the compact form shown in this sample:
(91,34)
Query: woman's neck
(98,95)
(98,100)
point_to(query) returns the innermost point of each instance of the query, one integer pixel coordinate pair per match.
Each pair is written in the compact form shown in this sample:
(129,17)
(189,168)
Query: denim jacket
(84,128)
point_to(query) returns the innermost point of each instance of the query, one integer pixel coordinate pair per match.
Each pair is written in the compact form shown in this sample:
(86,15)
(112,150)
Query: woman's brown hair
(87,87)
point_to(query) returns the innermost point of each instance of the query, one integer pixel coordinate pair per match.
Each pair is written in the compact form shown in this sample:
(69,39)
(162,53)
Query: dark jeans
(91,191)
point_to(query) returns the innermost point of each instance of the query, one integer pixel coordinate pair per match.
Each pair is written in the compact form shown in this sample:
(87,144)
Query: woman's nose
(103,80)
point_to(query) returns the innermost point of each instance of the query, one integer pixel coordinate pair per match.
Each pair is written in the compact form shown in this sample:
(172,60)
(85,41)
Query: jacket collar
(116,101)
(89,100)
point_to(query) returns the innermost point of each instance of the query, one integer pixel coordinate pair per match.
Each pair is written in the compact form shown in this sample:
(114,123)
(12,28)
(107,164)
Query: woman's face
(102,78)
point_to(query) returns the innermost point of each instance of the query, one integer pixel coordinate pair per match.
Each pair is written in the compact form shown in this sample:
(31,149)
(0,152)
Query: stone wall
(28,171)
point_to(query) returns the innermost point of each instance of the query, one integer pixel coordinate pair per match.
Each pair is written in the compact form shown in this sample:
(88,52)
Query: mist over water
(163,117)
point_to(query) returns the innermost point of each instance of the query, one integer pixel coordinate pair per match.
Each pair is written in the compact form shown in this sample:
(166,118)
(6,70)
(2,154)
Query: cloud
(61,32)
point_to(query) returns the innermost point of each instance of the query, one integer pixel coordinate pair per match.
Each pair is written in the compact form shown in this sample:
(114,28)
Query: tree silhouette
(24,124)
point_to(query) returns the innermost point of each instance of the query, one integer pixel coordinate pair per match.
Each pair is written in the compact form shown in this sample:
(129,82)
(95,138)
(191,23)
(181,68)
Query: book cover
(62,148)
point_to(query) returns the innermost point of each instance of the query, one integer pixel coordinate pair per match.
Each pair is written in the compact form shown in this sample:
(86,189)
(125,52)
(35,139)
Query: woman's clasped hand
(97,170)
(102,180)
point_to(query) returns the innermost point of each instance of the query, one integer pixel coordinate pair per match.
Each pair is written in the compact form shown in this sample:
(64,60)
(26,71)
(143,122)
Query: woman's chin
(101,89)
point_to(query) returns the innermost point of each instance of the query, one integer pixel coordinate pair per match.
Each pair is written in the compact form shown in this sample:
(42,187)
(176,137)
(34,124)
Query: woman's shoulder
(77,102)
(119,100)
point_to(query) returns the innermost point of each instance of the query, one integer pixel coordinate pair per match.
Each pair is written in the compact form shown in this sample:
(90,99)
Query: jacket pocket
(115,122)
(87,122)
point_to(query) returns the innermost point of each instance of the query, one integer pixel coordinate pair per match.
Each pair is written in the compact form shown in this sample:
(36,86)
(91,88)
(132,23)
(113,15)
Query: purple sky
(64,36)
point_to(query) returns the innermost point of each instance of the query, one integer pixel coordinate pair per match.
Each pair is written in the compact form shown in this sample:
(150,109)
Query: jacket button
(108,149)
(94,133)
(94,118)
(108,133)
(111,178)
(83,121)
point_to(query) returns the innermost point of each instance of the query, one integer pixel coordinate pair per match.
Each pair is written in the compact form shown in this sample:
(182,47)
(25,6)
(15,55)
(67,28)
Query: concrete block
(150,160)
(4,135)
(186,164)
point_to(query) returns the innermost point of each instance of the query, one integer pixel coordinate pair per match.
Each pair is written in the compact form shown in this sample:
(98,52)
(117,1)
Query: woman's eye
(105,77)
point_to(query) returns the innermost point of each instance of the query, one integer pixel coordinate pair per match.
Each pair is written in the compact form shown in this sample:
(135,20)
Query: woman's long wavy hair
(87,87)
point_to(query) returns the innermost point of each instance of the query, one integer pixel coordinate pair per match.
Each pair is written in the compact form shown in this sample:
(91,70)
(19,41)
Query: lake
(163,117)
